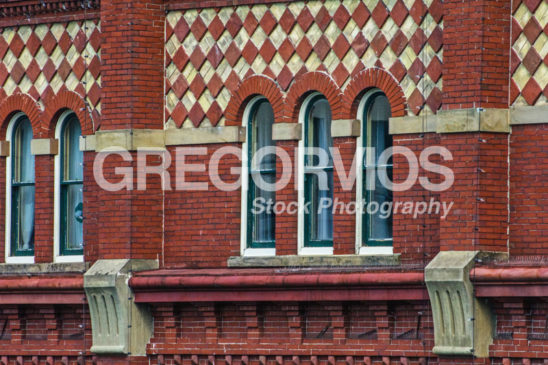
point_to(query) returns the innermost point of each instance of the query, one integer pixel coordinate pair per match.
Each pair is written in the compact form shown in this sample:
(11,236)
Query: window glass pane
(381,221)
(261,229)
(24,215)
(73,208)
(73,157)
(319,180)
(23,160)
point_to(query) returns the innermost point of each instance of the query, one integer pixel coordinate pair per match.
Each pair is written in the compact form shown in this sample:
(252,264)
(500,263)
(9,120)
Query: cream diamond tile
(541,14)
(350,5)
(206,100)
(190,72)
(224,41)
(188,100)
(409,3)
(313,34)
(296,8)
(90,51)
(9,60)
(371,4)
(296,34)
(57,56)
(331,61)
(332,32)
(351,30)
(57,30)
(170,124)
(89,81)
(25,84)
(332,6)
(388,57)
(521,76)
(187,124)
(389,28)
(56,83)
(370,29)
(41,30)
(89,27)
(258,11)
(241,68)
(173,18)
(171,101)
(9,86)
(206,123)
(241,38)
(314,7)
(428,25)
(295,64)
(41,83)
(541,76)
(207,15)
(522,15)
(277,36)
(225,14)
(8,34)
(242,12)
(258,38)
(425,86)
(207,71)
(522,45)
(72,82)
(24,32)
(207,43)
(351,60)
(409,27)
(72,29)
(278,9)
(408,86)
(427,54)
(258,65)
(223,70)
(277,64)
(313,62)
(190,43)
(25,58)
(541,45)
(72,55)
(223,98)
(369,58)
(190,15)
(408,57)
(390,4)
(172,45)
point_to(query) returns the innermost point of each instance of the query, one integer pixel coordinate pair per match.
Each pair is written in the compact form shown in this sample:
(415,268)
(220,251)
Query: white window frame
(302,250)
(244,250)
(360,249)
(7,242)
(57,257)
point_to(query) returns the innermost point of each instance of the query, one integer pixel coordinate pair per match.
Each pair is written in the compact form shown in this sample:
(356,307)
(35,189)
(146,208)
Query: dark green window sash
(16,224)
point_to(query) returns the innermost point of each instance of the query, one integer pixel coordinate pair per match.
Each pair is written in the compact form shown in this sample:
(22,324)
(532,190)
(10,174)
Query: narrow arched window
(22,189)
(377,226)
(71,188)
(261,221)
(318,174)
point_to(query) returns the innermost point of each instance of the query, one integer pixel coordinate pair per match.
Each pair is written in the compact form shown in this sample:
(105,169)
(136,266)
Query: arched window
(71,188)
(377,227)
(318,174)
(21,189)
(260,222)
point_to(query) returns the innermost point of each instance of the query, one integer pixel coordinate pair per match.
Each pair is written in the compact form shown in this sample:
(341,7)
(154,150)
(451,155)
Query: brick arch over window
(374,78)
(20,103)
(56,104)
(250,87)
(307,83)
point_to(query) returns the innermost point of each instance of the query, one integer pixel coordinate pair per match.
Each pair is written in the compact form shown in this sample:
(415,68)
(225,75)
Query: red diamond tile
(545,91)
(285,77)
(399,13)
(268,73)
(304,48)
(323,18)
(322,47)
(196,114)
(417,11)
(197,58)
(197,86)
(514,91)
(180,86)
(398,70)
(16,45)
(48,70)
(515,61)
(398,43)
(341,17)
(532,30)
(79,68)
(434,99)
(287,21)
(94,94)
(33,93)
(64,70)
(359,67)
(179,114)
(216,28)
(214,113)
(17,72)
(417,41)
(198,28)
(305,19)
(360,44)
(379,43)
(361,15)
(249,52)
(532,4)
(232,54)
(215,55)
(268,22)
(232,81)
(434,69)
(516,30)
(341,46)
(3,47)
(380,13)
(169,30)
(436,39)
(49,43)
(80,41)
(181,29)
(234,24)
(286,50)
(64,42)
(268,50)
(33,43)
(415,102)
(215,85)
(436,10)
(3,73)
(416,71)
(95,39)
(531,60)
(531,91)
(180,58)
(340,74)
(250,23)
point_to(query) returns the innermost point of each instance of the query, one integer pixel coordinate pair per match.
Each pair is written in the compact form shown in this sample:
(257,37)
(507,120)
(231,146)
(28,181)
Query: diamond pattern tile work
(529,62)
(210,51)
(39,59)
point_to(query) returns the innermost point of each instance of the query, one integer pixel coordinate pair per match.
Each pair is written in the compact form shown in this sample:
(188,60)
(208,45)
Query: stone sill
(315,261)
(51,268)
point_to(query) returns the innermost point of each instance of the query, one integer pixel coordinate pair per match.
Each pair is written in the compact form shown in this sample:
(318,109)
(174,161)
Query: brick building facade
(167,275)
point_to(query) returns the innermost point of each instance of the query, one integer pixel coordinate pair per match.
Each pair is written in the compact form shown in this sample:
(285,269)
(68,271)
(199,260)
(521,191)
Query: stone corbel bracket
(119,326)
(463,324)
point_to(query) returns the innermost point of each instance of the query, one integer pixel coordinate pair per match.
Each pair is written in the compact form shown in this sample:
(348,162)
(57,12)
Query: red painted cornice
(510,282)
(42,290)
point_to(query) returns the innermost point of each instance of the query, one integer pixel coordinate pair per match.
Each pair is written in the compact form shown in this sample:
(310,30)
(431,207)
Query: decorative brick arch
(20,103)
(374,78)
(56,104)
(249,88)
(307,83)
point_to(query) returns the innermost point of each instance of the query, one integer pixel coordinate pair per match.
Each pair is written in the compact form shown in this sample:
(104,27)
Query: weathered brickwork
(529,56)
